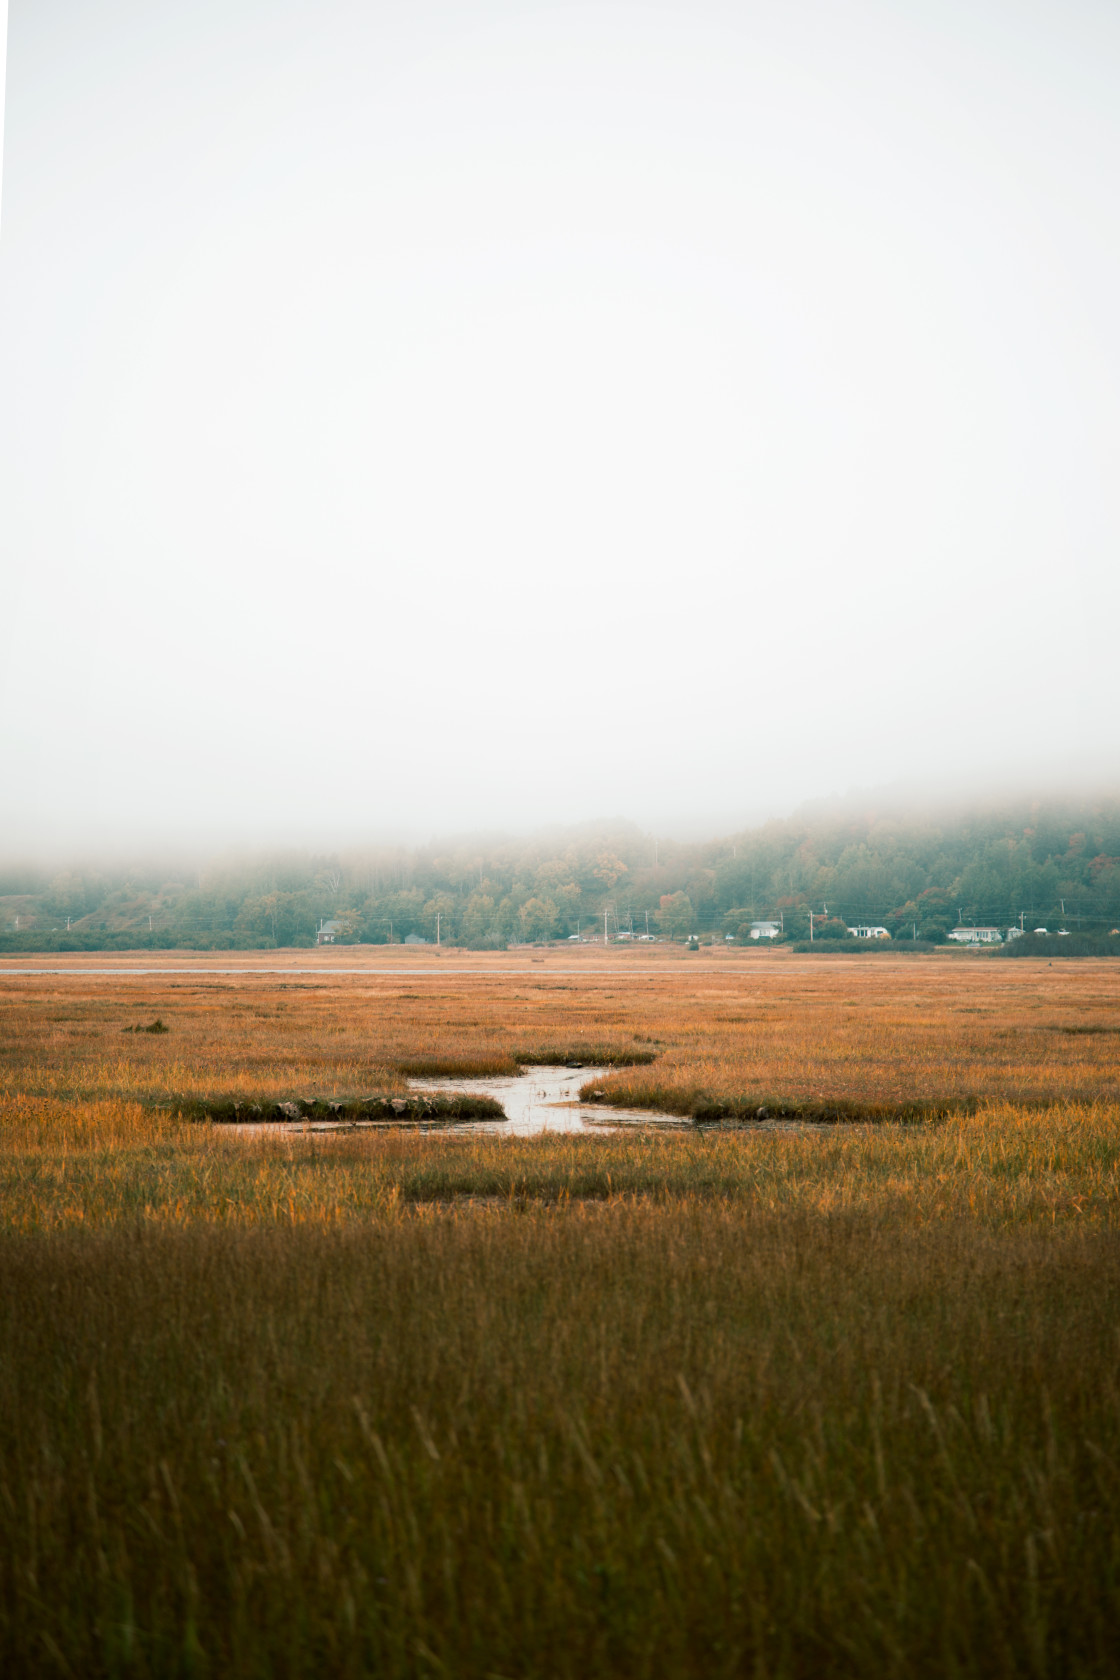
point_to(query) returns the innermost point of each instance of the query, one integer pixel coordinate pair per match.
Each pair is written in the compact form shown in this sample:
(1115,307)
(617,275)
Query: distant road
(615,959)
(670,962)
(321,973)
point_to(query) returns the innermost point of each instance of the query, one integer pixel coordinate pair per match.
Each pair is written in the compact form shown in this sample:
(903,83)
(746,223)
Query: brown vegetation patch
(676,1440)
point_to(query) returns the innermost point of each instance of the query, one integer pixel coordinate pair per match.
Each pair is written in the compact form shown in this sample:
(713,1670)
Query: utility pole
(1022,913)
(437,927)
(604,927)
(810,927)
(647,921)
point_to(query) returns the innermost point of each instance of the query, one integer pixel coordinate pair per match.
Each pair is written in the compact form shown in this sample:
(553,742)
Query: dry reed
(648,1404)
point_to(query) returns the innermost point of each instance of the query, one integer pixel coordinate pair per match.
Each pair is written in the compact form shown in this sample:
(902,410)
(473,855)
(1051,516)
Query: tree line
(1053,863)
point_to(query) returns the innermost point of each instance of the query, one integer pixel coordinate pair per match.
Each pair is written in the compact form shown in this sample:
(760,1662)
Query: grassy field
(870,1036)
(688,1403)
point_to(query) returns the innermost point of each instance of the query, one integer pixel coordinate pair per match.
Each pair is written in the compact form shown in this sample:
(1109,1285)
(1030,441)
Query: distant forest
(1053,864)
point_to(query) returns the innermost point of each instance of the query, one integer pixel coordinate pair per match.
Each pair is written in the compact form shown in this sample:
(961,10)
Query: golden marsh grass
(844,1402)
(878,1032)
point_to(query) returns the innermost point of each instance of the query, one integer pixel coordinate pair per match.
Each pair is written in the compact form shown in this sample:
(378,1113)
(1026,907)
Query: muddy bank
(449,1109)
(702,1110)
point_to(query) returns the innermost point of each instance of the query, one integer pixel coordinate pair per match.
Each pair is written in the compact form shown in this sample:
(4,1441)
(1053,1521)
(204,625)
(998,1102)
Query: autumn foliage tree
(1057,865)
(676,917)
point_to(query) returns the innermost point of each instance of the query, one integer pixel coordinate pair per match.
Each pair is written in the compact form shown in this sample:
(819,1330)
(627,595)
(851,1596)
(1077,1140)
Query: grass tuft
(458,1067)
(388,1110)
(704,1109)
(585,1055)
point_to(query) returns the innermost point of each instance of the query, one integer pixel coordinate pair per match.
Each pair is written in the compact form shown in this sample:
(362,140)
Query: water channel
(539,1099)
(544,1099)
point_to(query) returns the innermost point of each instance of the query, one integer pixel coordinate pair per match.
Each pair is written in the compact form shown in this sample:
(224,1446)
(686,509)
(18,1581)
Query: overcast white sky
(418,415)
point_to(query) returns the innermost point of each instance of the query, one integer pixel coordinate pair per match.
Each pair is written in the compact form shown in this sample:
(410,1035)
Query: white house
(765,930)
(864,931)
(976,935)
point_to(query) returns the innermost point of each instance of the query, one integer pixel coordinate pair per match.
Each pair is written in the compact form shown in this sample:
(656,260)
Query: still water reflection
(544,1099)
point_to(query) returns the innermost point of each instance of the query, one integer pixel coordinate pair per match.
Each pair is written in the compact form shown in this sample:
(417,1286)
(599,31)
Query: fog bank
(420,418)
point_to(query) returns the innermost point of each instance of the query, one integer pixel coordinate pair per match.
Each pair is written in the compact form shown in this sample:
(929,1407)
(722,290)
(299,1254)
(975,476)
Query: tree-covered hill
(1050,863)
